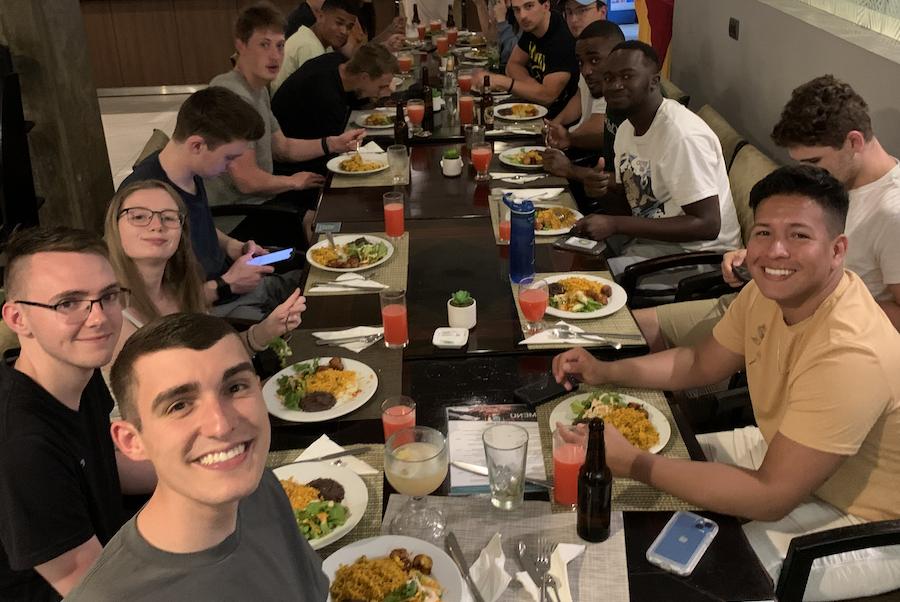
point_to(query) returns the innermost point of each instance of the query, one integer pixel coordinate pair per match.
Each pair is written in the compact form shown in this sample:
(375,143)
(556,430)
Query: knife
(483,471)
(357,451)
(363,338)
(456,554)
(529,567)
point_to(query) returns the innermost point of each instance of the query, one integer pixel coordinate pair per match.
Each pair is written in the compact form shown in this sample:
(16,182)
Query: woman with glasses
(150,250)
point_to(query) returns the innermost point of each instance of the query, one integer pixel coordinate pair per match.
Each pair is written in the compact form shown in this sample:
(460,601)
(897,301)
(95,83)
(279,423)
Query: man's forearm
(571,113)
(531,89)
(262,183)
(892,309)
(671,370)
(681,228)
(294,150)
(517,72)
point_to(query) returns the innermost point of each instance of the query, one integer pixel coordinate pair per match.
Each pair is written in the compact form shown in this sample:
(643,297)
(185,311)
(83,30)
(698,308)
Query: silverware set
(563,331)
(538,567)
(368,338)
(348,284)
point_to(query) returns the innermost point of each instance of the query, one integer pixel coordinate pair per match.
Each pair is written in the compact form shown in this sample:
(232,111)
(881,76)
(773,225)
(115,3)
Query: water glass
(398,413)
(398,160)
(474,134)
(393,318)
(567,460)
(505,449)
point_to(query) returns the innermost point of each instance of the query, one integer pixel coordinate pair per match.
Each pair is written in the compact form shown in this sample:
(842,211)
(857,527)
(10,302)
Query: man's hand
(283,319)
(620,454)
(254,249)
(595,226)
(500,11)
(243,277)
(557,163)
(305,179)
(731,260)
(347,141)
(557,135)
(394,42)
(596,183)
(578,363)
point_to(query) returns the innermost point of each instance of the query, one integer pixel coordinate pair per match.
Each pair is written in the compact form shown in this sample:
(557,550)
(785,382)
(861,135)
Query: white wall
(782,44)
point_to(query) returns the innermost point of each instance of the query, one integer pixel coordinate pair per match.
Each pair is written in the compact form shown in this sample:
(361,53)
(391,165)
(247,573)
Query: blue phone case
(273,257)
(682,542)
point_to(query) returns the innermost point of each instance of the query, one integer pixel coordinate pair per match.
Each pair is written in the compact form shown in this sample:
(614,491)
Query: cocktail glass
(415,109)
(415,464)
(481,160)
(533,299)
(405,62)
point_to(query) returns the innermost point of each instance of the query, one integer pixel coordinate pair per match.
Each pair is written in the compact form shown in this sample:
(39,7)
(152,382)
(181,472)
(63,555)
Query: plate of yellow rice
(579,290)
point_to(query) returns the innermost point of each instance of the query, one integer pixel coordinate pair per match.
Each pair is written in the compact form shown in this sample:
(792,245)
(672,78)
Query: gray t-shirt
(221,189)
(265,558)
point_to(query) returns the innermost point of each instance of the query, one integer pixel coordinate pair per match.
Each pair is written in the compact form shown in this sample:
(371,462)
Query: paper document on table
(465,425)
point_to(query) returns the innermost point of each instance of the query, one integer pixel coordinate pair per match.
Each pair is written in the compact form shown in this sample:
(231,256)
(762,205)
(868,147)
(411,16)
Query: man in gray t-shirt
(218,526)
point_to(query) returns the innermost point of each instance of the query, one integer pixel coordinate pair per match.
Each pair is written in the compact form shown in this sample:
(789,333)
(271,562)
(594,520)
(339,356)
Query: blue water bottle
(521,238)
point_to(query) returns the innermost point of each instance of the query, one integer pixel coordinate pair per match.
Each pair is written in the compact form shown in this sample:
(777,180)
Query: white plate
(557,231)
(541,111)
(563,413)
(366,383)
(356,495)
(342,240)
(506,156)
(475,56)
(361,118)
(334,165)
(443,569)
(616,301)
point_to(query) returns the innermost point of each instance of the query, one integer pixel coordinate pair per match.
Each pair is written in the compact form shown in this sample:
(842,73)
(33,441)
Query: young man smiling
(821,360)
(218,521)
(59,474)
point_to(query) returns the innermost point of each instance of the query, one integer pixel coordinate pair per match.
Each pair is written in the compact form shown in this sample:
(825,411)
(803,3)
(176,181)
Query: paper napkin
(547,336)
(371,147)
(359,331)
(534,194)
(324,446)
(559,561)
(487,572)
(360,282)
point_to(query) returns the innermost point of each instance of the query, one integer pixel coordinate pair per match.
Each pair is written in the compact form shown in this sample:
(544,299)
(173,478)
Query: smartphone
(581,245)
(742,273)
(536,393)
(682,542)
(273,257)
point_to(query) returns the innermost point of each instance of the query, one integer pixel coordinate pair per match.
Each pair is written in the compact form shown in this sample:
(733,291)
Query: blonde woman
(150,250)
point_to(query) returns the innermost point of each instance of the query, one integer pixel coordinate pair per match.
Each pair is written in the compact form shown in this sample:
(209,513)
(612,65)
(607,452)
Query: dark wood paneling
(285,6)
(101,43)
(204,35)
(147,39)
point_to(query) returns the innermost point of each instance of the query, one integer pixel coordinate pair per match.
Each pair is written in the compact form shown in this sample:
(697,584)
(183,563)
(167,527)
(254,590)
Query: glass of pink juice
(466,109)
(504,227)
(415,109)
(421,31)
(533,299)
(393,214)
(568,457)
(442,43)
(465,81)
(405,62)
(393,317)
(435,25)
(452,35)
(481,160)
(397,413)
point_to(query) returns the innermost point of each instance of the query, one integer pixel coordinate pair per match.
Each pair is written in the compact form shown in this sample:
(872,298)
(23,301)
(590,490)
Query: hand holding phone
(581,245)
(273,257)
(682,542)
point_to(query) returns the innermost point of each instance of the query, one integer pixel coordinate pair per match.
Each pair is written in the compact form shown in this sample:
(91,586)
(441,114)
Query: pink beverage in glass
(466,108)
(393,219)
(416,113)
(396,332)
(452,36)
(396,418)
(442,43)
(481,159)
(504,229)
(465,83)
(435,25)
(405,62)
(421,29)
(533,302)
(567,461)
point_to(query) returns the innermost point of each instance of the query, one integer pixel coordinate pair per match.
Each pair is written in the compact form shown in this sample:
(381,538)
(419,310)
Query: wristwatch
(223,289)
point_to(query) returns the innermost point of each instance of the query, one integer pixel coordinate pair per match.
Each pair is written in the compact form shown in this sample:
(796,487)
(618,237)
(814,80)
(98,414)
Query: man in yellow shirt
(821,360)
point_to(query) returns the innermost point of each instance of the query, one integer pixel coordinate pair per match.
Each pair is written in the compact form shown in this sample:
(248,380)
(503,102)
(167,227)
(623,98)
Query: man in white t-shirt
(672,192)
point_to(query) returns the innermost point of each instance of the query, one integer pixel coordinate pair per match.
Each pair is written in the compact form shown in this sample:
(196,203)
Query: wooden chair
(731,140)
(670,90)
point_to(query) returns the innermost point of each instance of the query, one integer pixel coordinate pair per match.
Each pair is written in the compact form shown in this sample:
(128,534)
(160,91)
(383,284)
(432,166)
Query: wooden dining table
(451,247)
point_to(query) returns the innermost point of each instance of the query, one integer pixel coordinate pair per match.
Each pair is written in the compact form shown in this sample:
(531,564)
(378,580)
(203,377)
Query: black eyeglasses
(76,311)
(141,217)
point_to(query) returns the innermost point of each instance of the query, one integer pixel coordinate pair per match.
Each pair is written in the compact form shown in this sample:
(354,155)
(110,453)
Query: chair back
(158,140)
(750,166)
(729,137)
(672,91)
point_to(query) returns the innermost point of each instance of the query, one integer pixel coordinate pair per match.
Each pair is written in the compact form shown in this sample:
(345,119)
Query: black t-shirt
(552,53)
(204,239)
(613,121)
(302,15)
(59,485)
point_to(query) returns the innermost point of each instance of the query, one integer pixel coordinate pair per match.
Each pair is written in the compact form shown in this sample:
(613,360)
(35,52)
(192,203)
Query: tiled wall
(882,16)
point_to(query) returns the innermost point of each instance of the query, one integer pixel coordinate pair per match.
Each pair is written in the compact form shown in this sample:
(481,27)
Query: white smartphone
(682,542)
(273,257)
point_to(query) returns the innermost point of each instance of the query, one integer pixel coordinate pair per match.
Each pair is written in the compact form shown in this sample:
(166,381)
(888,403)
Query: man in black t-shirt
(315,101)
(60,487)
(303,15)
(543,67)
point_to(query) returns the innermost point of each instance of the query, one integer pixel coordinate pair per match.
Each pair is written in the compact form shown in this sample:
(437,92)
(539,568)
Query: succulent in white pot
(461,310)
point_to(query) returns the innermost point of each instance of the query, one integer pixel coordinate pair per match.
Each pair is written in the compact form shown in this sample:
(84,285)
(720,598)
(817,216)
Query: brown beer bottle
(487,104)
(415,19)
(594,488)
(451,22)
(401,128)
(428,121)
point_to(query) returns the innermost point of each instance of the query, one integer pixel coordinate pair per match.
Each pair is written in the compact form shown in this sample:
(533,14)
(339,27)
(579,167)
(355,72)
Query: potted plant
(451,163)
(461,311)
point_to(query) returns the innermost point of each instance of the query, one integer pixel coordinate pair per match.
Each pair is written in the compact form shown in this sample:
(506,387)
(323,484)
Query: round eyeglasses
(76,311)
(141,217)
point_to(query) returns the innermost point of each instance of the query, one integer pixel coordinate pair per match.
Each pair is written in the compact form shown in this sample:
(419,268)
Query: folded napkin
(487,572)
(562,556)
(547,336)
(514,178)
(359,331)
(370,147)
(324,446)
(534,194)
(358,281)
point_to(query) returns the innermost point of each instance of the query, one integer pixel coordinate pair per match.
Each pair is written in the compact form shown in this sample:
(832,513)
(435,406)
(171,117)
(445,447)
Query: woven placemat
(627,494)
(565,199)
(370,525)
(621,322)
(382,178)
(392,272)
(547,181)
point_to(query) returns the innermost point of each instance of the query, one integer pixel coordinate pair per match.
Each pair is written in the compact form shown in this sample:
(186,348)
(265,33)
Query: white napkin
(324,446)
(534,194)
(371,147)
(359,331)
(358,281)
(562,556)
(547,336)
(487,572)
(501,131)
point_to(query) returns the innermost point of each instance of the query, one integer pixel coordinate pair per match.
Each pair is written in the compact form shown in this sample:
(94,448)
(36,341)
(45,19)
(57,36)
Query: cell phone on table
(681,544)
(536,393)
(273,257)
(581,245)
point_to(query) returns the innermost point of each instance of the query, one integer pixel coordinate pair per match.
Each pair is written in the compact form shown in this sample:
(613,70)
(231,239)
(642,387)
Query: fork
(568,334)
(542,561)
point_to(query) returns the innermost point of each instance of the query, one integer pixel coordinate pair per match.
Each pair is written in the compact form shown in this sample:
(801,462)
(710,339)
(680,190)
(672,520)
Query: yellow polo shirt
(831,383)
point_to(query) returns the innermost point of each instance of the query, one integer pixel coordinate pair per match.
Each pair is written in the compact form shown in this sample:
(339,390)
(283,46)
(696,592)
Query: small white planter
(452,167)
(462,317)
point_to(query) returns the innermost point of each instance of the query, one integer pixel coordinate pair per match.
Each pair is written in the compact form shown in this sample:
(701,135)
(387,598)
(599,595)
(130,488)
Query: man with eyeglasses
(61,481)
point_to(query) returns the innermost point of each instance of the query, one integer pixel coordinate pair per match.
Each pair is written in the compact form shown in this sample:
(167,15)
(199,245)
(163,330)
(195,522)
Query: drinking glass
(435,25)
(393,214)
(393,318)
(466,109)
(405,62)
(415,464)
(465,80)
(398,160)
(533,299)
(442,44)
(504,227)
(481,159)
(474,133)
(567,461)
(421,31)
(505,449)
(452,35)
(398,413)
(415,109)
